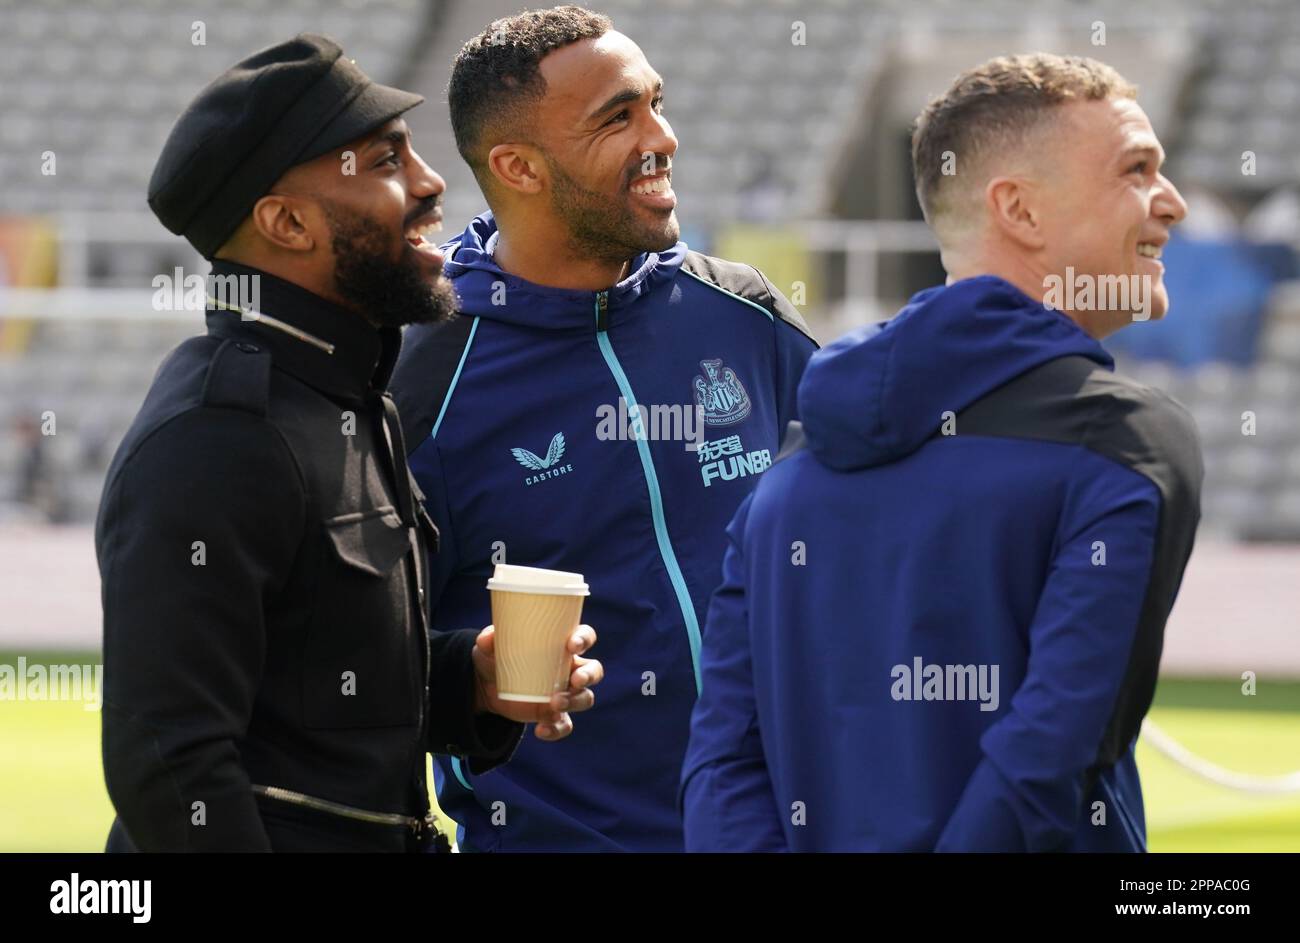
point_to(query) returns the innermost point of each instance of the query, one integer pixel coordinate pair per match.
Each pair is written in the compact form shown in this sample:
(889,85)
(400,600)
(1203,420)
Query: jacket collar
(326,346)
(484,289)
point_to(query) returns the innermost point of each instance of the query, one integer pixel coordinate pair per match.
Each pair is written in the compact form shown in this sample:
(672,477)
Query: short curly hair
(998,105)
(496,76)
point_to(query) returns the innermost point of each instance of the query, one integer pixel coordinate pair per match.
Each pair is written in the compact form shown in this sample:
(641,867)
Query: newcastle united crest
(720,394)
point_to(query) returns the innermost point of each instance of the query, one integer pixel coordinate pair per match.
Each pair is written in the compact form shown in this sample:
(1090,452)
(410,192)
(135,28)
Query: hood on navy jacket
(519,419)
(881,391)
(988,530)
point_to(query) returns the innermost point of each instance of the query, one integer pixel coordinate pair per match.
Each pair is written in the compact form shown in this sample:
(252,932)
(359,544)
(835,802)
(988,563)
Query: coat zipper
(666,552)
(336,808)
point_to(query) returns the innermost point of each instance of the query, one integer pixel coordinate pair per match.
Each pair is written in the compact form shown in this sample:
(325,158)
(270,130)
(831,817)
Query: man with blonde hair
(989,526)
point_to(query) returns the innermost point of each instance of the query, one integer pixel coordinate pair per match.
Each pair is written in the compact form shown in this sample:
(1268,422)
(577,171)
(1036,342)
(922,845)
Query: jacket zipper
(666,552)
(413,567)
(336,808)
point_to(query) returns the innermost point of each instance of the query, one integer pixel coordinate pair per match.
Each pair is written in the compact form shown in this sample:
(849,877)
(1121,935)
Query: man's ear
(282,221)
(517,167)
(1013,210)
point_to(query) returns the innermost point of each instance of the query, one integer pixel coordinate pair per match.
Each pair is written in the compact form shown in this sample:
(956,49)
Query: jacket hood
(880,392)
(479,282)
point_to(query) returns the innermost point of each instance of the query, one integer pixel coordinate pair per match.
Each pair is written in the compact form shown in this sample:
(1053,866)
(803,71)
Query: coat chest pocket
(370,541)
(362,658)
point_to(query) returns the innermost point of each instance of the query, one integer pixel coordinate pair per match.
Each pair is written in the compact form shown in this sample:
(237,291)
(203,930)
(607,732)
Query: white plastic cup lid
(530,579)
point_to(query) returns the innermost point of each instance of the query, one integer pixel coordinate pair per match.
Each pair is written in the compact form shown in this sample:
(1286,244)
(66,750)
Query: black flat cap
(279,107)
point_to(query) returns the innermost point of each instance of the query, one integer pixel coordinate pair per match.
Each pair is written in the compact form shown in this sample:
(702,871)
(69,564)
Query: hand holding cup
(529,661)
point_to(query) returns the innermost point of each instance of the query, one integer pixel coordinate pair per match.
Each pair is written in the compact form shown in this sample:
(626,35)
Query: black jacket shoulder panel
(1152,433)
(747,283)
(1074,400)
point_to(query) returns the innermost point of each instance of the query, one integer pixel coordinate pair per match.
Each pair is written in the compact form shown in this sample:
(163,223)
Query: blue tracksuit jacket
(520,418)
(942,609)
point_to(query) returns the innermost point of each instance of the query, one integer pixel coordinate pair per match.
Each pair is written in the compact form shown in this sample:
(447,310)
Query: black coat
(263,564)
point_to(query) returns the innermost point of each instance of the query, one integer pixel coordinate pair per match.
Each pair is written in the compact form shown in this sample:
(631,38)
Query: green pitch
(1257,734)
(52,794)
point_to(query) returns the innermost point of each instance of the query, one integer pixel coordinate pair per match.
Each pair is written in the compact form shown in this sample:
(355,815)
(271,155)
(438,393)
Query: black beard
(384,292)
(603,228)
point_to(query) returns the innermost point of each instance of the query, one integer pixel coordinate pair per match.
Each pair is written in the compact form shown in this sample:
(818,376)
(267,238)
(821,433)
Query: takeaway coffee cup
(535,612)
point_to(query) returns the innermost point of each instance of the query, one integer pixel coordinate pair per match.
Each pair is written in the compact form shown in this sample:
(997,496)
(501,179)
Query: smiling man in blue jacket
(603,403)
(942,609)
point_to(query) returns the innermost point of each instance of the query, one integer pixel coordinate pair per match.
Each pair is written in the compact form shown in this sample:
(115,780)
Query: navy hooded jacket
(520,416)
(942,609)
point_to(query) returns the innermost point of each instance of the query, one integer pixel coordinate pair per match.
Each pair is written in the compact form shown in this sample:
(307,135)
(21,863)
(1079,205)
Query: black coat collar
(361,356)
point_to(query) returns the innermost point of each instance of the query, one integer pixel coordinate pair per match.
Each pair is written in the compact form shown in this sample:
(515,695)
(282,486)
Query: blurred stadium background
(793,118)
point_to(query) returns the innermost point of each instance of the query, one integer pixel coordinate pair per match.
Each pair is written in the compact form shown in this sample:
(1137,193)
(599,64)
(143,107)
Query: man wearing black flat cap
(270,682)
